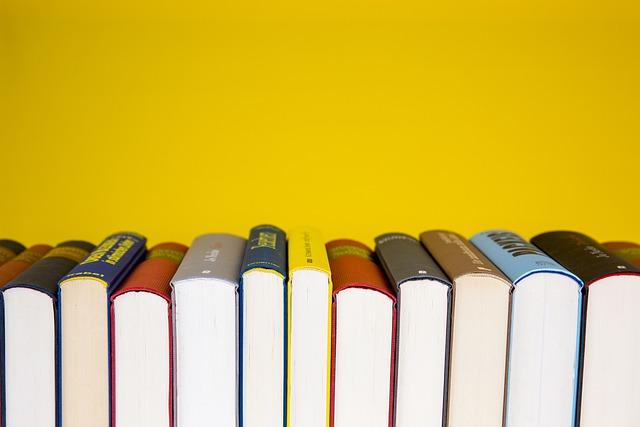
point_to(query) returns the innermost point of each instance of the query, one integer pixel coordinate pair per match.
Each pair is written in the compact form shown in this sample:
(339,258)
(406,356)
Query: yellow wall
(357,116)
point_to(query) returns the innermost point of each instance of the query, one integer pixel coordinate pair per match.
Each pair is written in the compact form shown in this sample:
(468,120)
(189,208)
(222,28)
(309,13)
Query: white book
(309,358)
(545,332)
(263,328)
(205,322)
(424,297)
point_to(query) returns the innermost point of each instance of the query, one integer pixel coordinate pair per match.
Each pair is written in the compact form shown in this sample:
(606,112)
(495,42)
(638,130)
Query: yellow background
(357,116)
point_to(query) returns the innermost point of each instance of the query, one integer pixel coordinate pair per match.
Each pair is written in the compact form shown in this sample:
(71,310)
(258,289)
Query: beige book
(479,331)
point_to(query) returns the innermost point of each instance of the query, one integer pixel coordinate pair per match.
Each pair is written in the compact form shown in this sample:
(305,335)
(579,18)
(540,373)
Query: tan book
(479,331)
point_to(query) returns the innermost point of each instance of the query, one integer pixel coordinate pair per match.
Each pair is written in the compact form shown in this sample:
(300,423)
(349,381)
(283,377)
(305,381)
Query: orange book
(15,266)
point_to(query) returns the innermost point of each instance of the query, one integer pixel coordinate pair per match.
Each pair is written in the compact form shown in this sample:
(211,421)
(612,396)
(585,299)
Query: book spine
(266,250)
(457,256)
(111,261)
(582,255)
(213,256)
(404,258)
(516,257)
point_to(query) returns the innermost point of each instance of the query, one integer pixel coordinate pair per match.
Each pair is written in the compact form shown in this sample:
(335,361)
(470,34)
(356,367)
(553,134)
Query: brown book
(24,260)
(479,330)
(142,342)
(628,251)
(9,249)
(363,337)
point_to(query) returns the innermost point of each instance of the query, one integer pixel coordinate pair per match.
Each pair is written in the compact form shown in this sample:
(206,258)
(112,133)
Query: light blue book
(544,352)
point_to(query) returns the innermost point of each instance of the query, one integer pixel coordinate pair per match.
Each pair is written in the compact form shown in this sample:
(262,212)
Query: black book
(610,386)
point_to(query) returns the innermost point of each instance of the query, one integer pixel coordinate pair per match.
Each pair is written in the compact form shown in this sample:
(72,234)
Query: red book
(142,343)
(363,338)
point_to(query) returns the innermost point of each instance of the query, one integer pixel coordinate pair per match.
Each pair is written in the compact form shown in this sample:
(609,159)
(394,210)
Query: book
(628,251)
(141,341)
(29,345)
(263,326)
(205,317)
(424,301)
(83,300)
(309,354)
(544,345)
(363,338)
(610,370)
(9,249)
(479,330)
(12,268)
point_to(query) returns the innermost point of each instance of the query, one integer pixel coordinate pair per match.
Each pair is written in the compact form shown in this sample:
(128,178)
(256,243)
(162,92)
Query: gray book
(423,331)
(205,322)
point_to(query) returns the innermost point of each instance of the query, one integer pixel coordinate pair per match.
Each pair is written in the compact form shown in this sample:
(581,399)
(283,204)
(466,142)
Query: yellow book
(309,324)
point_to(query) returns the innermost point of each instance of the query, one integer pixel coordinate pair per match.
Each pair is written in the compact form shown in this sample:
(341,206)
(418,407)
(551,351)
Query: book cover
(9,249)
(153,275)
(582,255)
(457,256)
(306,250)
(20,263)
(353,265)
(266,250)
(516,257)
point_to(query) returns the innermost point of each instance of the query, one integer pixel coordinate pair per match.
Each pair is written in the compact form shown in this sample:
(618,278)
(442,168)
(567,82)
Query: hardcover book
(628,251)
(424,296)
(29,350)
(84,328)
(545,332)
(141,341)
(479,330)
(263,326)
(363,338)
(309,355)
(12,268)
(9,249)
(205,322)
(611,374)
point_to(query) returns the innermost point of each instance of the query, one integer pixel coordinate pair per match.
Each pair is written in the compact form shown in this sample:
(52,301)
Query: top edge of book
(307,250)
(582,255)
(516,257)
(266,250)
(215,256)
(458,257)
(110,261)
(404,259)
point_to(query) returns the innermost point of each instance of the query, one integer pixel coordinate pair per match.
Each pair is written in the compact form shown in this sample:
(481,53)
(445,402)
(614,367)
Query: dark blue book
(84,329)
(263,329)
